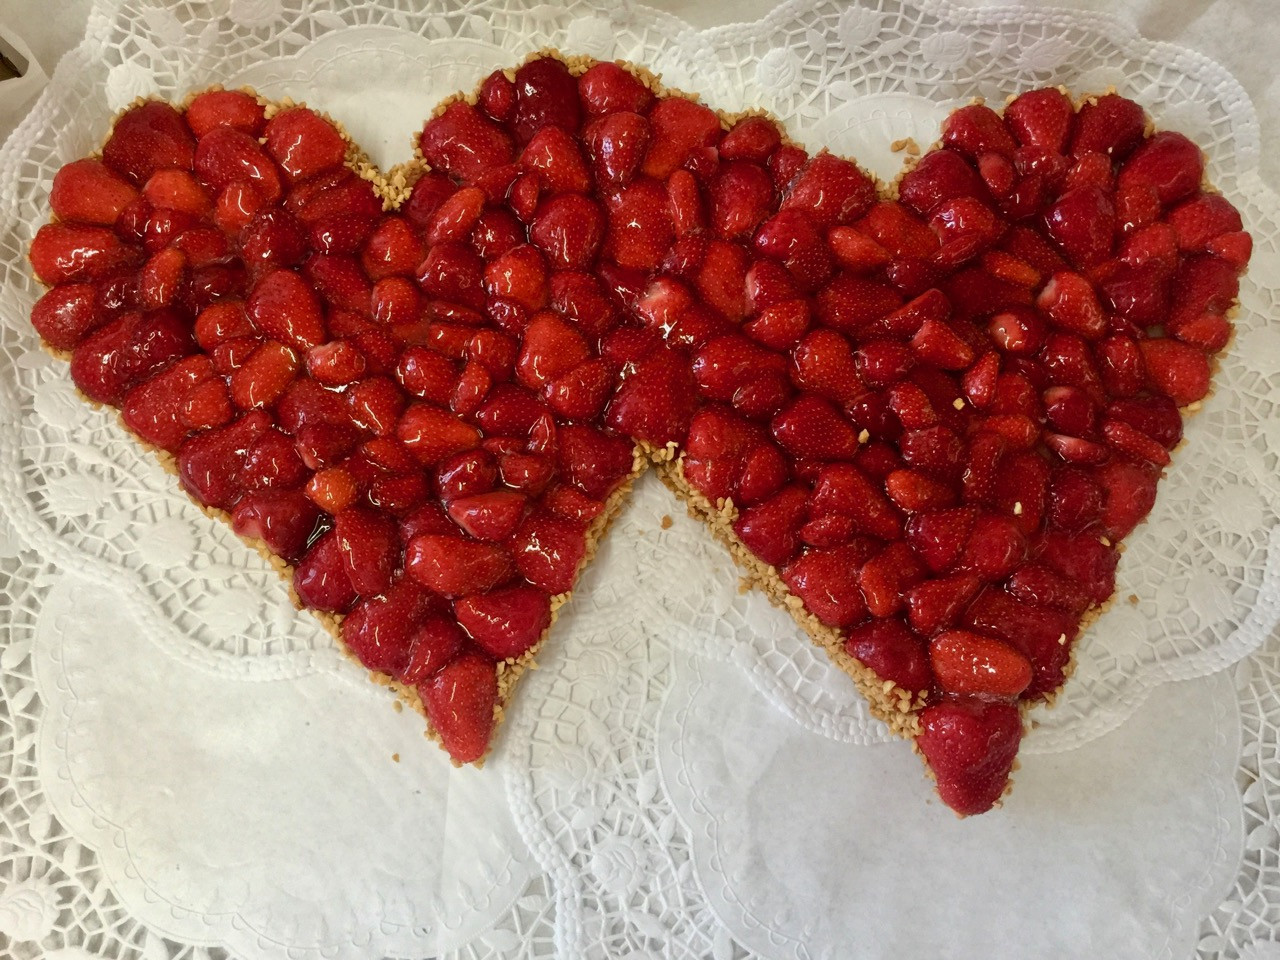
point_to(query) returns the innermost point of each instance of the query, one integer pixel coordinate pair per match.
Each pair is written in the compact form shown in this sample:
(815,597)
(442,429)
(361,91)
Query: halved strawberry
(381,630)
(505,623)
(320,578)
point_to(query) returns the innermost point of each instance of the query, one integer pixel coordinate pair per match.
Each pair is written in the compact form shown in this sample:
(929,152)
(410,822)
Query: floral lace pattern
(594,832)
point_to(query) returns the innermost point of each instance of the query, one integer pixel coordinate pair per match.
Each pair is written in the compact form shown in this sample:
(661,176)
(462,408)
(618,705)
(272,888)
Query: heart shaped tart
(922,416)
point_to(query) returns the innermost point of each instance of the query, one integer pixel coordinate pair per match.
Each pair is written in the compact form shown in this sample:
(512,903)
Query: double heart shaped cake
(923,416)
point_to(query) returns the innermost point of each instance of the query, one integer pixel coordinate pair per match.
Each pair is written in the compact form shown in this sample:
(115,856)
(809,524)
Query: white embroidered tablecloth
(188,769)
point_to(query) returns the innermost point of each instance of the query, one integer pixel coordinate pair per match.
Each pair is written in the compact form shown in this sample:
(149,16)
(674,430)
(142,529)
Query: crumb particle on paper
(397,706)
(906,143)
(395,757)
(1133,599)
(667,521)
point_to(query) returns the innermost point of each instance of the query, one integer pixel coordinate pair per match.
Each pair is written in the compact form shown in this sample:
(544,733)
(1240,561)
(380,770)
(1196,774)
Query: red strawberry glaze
(931,421)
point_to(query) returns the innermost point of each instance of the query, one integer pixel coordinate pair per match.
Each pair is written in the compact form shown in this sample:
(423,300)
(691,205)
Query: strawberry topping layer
(935,416)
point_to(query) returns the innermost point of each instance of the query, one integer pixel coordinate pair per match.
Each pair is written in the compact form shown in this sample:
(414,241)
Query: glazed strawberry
(126,351)
(827,582)
(548,550)
(505,623)
(568,229)
(934,604)
(264,376)
(320,578)
(282,519)
(608,88)
(1109,125)
(303,143)
(657,401)
(640,229)
(464,143)
(453,565)
(90,192)
(153,409)
(1084,559)
(431,434)
(1038,585)
(892,651)
(148,138)
(886,578)
(1168,163)
(488,516)
(1082,222)
(1042,634)
(285,308)
(771,529)
(225,108)
(546,95)
(466,475)
(811,427)
(68,252)
(1179,371)
(381,630)
(370,549)
(226,155)
(460,701)
(970,746)
(830,191)
(971,663)
(1129,491)
(66,314)
(679,127)
(1042,118)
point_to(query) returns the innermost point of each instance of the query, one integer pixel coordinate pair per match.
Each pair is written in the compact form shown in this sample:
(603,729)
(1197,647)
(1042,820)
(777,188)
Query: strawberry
(1168,163)
(1120,365)
(226,155)
(939,176)
(497,96)
(398,493)
(811,427)
(827,582)
(972,663)
(320,578)
(147,138)
(825,364)
(548,550)
(844,489)
(434,642)
(519,275)
(1156,416)
(526,471)
(886,578)
(66,314)
(167,190)
(892,651)
(1233,248)
(370,549)
(1084,559)
(791,237)
(1038,585)
(780,326)
(488,516)
(153,408)
(851,303)
(285,308)
(303,143)
(856,251)
(1201,219)
(679,127)
(569,229)
(966,228)
(742,195)
(617,144)
(381,630)
(468,475)
(581,393)
(505,623)
(934,604)
(727,363)
(1179,371)
(912,407)
(454,216)
(464,143)
(785,163)
(1075,499)
(1133,443)
(551,348)
(546,95)
(1204,285)
(333,489)
(556,157)
(431,434)
(939,537)
(1082,222)
(1110,125)
(770,529)
(881,363)
(454,566)
(608,88)
(126,351)
(913,491)
(225,108)
(1129,492)
(282,519)
(264,376)
(980,380)
(975,130)
(460,701)
(90,192)
(206,405)
(69,252)
(1041,118)
(394,248)
(1021,331)
(830,190)
(970,746)
(593,461)
(656,401)
(640,229)
(936,343)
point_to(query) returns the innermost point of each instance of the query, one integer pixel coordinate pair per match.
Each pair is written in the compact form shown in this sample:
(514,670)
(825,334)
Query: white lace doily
(189,770)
